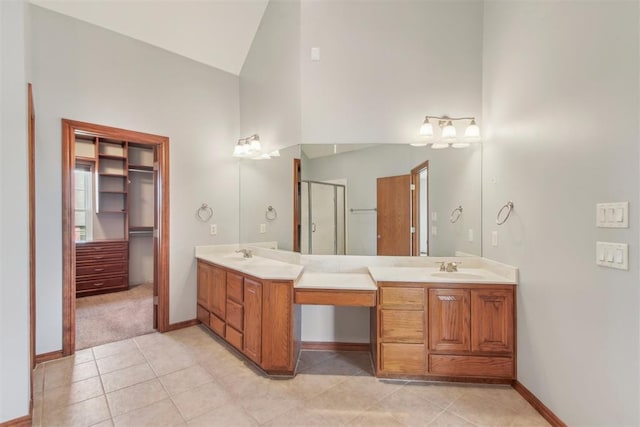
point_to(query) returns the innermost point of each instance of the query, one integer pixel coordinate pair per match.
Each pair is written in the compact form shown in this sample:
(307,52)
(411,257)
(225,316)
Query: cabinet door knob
(379,236)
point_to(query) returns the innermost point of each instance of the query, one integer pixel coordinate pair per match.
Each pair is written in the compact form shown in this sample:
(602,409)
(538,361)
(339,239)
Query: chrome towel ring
(271,213)
(509,208)
(204,213)
(455,215)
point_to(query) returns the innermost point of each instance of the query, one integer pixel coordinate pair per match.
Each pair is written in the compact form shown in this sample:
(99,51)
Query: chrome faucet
(246,252)
(449,267)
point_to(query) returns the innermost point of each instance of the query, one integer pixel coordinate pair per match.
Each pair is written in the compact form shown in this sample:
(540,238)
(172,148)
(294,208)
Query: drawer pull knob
(99,284)
(99,269)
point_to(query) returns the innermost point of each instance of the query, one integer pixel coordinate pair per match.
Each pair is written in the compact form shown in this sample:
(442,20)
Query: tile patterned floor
(188,377)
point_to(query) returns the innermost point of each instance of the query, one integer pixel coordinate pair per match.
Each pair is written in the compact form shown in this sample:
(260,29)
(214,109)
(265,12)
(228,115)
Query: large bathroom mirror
(357,199)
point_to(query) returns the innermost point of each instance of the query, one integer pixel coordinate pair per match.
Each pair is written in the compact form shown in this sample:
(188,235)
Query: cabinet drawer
(203,315)
(402,325)
(216,324)
(234,314)
(101,257)
(234,338)
(100,246)
(402,297)
(408,359)
(111,269)
(101,283)
(234,287)
(471,366)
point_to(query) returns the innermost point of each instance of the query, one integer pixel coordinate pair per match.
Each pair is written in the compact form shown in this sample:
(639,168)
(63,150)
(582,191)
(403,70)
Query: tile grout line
(104,392)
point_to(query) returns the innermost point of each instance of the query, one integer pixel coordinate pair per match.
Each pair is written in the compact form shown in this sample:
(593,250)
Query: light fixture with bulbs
(251,148)
(448,135)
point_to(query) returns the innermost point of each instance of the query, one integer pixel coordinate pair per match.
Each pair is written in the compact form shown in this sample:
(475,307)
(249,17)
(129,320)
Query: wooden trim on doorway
(415,207)
(161,144)
(297,182)
(32,224)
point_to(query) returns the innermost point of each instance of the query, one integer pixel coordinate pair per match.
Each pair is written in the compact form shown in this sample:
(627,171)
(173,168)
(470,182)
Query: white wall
(87,73)
(270,78)
(561,102)
(266,183)
(384,65)
(14,215)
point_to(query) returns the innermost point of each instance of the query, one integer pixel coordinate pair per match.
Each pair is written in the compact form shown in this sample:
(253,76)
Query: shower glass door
(323,218)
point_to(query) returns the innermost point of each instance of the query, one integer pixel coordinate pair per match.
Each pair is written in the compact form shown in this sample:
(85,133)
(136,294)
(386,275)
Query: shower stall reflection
(322,218)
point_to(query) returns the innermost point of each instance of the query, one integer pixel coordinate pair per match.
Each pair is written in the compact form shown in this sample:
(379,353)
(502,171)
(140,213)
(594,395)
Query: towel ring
(204,213)
(271,213)
(509,207)
(453,218)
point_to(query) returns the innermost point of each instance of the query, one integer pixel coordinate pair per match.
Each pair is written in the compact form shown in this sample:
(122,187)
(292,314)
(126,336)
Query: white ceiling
(215,32)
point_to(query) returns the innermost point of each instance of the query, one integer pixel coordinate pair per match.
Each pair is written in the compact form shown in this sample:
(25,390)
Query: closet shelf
(141,167)
(141,228)
(111,156)
(116,175)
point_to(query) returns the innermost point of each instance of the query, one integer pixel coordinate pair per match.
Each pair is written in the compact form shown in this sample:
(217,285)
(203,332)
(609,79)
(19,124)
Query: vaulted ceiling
(214,32)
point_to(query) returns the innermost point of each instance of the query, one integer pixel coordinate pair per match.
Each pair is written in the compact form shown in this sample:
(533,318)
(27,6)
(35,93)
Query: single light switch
(470,235)
(434,231)
(619,214)
(600,253)
(601,215)
(618,257)
(610,215)
(494,238)
(434,216)
(263,228)
(609,253)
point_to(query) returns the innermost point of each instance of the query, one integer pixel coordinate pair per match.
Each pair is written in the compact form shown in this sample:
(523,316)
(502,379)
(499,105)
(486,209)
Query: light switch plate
(315,54)
(263,228)
(213,229)
(612,255)
(434,231)
(612,215)
(494,238)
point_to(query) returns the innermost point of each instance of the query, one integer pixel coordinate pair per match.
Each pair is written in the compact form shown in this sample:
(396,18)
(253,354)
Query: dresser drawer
(234,287)
(101,269)
(234,314)
(402,326)
(411,298)
(95,284)
(97,257)
(98,246)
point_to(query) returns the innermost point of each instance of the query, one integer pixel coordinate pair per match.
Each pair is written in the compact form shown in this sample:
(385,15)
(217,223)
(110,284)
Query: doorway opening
(115,234)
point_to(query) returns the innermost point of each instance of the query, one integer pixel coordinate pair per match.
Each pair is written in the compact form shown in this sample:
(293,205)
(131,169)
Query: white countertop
(337,281)
(260,267)
(434,275)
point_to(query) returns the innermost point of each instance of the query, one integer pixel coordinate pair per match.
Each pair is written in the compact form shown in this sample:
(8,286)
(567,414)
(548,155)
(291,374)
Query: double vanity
(424,323)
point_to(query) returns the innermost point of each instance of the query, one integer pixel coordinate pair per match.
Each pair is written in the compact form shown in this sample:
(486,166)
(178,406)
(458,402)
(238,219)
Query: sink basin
(457,275)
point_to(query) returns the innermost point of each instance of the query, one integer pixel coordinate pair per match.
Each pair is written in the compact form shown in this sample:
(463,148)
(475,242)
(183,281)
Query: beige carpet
(112,317)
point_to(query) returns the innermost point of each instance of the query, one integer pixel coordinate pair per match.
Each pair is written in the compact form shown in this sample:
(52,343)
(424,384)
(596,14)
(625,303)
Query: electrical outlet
(470,235)
(213,229)
(263,228)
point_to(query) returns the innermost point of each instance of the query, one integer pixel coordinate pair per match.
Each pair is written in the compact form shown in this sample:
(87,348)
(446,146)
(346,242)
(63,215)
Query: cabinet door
(218,292)
(492,320)
(449,314)
(203,284)
(252,319)
(277,327)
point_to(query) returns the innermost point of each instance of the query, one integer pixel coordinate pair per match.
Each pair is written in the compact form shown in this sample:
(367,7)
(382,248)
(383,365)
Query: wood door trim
(31,152)
(52,355)
(68,240)
(296,204)
(537,404)
(24,421)
(415,203)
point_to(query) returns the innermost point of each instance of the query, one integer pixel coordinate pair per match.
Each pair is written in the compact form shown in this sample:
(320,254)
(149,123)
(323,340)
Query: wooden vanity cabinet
(446,331)
(255,316)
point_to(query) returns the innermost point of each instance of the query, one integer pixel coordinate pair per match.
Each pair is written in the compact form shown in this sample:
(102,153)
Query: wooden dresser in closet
(102,266)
